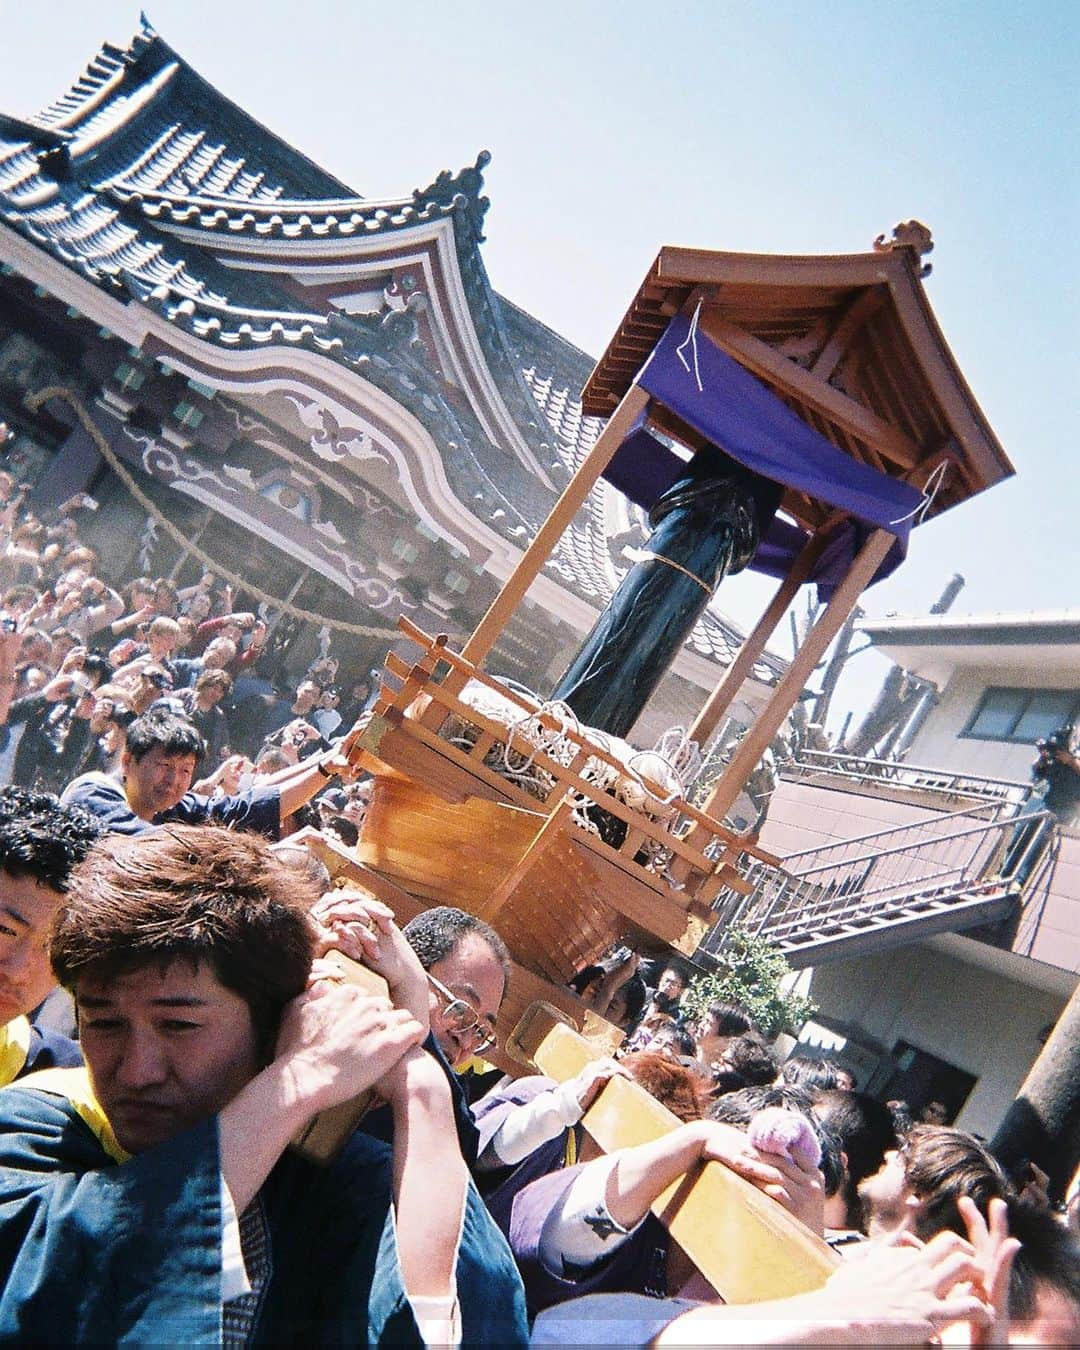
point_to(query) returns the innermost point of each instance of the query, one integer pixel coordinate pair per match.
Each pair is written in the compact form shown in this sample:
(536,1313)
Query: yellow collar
(74,1086)
(14,1047)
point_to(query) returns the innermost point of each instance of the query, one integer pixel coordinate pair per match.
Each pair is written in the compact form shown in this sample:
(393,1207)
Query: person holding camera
(84,604)
(1058,769)
(40,723)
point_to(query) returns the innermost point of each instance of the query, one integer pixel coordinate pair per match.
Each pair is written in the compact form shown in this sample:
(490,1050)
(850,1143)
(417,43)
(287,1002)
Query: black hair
(345,829)
(42,839)
(437,931)
(1049,1255)
(684,1040)
(804,1071)
(751,1058)
(731,1019)
(634,993)
(866,1133)
(175,734)
(95,664)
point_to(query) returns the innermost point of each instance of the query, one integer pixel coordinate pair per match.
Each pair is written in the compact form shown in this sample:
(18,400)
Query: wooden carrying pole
(634,402)
(724,694)
(757,739)
(742,1241)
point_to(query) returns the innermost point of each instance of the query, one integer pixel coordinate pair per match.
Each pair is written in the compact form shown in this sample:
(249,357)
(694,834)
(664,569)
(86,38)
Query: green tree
(750,973)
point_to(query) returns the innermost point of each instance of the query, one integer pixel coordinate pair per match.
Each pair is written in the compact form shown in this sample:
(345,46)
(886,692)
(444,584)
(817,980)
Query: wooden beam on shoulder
(745,1244)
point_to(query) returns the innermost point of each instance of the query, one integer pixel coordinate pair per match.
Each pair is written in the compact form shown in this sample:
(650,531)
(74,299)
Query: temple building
(322,391)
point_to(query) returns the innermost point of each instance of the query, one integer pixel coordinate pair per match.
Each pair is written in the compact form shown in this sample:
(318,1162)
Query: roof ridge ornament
(912,235)
(462,189)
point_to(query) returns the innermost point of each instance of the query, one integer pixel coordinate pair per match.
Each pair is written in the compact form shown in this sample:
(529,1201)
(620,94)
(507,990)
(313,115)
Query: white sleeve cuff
(580,1231)
(532,1124)
(438,1317)
(234,1276)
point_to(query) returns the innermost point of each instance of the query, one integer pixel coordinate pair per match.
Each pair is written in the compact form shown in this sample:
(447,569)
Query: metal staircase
(944,874)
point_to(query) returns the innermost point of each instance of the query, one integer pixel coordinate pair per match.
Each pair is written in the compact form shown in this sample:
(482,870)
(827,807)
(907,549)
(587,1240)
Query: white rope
(937,478)
(691,341)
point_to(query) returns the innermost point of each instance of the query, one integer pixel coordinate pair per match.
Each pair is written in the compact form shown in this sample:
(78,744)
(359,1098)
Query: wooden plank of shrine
(837,343)
(762,360)
(386,744)
(322,1138)
(757,739)
(523,987)
(745,1244)
(699,266)
(724,694)
(633,403)
(736,843)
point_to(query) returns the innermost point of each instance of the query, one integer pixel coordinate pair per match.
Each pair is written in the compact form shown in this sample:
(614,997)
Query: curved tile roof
(142,146)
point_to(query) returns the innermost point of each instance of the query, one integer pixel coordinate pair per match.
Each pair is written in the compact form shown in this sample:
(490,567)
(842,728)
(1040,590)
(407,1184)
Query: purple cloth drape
(736,412)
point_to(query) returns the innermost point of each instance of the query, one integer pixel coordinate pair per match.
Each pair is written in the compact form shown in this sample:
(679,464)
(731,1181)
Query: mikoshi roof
(849,343)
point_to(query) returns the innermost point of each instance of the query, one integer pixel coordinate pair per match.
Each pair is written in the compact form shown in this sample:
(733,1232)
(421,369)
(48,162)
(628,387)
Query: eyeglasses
(462,1017)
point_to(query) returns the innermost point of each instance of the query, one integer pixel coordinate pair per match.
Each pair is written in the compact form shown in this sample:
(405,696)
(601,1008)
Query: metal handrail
(780,906)
(981,828)
(943,782)
(969,814)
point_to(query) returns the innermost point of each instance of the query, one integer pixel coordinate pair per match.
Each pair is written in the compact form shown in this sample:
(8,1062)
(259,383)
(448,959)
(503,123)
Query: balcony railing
(939,783)
(894,877)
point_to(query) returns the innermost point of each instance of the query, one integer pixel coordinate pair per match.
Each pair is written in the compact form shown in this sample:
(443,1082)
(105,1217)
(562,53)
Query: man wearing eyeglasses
(467,966)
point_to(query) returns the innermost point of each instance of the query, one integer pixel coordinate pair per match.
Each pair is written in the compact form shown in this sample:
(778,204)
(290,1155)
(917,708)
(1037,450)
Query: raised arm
(430,1176)
(334,1044)
(642,1174)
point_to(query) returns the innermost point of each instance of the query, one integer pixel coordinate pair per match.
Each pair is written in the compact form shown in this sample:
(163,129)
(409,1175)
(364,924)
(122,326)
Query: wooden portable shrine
(826,375)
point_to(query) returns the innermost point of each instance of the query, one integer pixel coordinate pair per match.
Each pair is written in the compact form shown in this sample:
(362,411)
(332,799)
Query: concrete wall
(802,816)
(1049,927)
(975,1019)
(939,743)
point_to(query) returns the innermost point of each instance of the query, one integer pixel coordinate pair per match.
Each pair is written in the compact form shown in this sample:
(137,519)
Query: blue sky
(616,127)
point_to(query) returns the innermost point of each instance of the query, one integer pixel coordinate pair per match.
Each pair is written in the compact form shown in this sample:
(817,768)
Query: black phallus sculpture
(706,526)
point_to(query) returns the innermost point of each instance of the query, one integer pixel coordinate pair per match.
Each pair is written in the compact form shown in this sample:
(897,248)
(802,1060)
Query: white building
(935,976)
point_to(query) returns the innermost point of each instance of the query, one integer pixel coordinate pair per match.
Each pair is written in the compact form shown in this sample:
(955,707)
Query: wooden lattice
(448,827)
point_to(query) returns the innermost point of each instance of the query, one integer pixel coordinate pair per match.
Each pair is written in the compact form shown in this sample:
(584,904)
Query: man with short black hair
(210,1041)
(865,1130)
(41,842)
(156,770)
(201,702)
(1044,1285)
(468,966)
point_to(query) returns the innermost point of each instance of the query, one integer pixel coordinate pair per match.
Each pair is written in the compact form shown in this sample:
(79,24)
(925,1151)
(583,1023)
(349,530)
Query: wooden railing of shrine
(446,826)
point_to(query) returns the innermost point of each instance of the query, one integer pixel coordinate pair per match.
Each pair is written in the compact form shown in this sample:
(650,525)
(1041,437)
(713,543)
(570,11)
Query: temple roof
(148,182)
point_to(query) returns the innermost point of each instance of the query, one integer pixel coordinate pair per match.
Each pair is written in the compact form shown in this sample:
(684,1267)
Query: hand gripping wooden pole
(325,1135)
(745,1244)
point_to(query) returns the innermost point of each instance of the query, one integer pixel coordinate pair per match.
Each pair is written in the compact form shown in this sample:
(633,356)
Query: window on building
(1022,716)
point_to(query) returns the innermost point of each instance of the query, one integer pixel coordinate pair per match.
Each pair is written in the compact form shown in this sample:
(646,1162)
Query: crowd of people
(83,655)
(172,1019)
